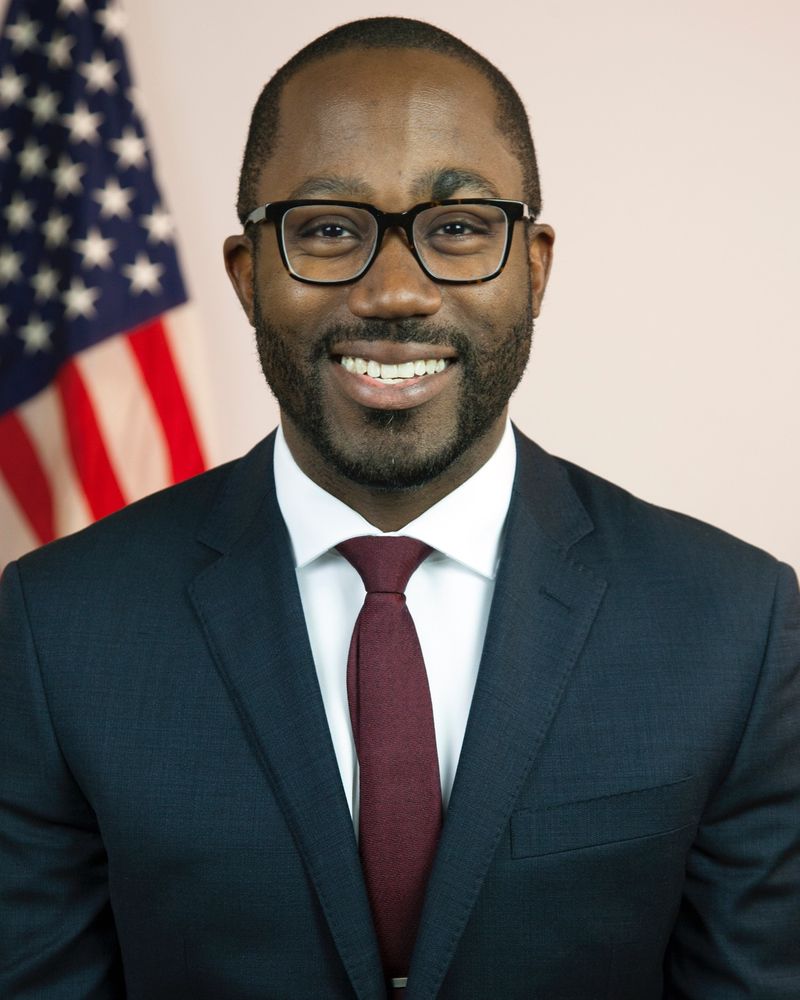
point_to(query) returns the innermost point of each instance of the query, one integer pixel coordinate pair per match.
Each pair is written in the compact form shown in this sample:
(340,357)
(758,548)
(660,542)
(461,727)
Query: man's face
(393,128)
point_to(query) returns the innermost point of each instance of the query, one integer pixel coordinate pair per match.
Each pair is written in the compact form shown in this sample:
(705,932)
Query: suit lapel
(249,605)
(543,607)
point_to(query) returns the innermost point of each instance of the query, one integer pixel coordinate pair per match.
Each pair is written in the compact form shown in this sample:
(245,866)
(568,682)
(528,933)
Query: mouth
(390,375)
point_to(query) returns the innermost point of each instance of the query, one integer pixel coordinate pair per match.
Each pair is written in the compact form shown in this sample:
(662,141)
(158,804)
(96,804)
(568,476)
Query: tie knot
(385,565)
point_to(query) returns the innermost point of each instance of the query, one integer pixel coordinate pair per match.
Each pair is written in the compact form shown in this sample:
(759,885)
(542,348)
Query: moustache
(399,332)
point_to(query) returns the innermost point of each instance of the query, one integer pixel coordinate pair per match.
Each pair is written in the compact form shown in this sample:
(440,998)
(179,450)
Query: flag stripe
(17,534)
(127,417)
(86,444)
(182,326)
(42,418)
(23,472)
(152,351)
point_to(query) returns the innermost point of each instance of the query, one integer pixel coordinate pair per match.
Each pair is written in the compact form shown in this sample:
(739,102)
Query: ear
(540,257)
(238,252)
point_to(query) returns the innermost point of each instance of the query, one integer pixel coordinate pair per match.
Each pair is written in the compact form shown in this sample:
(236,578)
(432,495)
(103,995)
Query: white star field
(84,236)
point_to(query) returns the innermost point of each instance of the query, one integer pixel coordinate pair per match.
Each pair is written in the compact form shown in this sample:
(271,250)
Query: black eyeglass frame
(274,212)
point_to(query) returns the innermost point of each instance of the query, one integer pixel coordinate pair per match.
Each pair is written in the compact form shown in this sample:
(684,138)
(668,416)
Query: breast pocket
(608,819)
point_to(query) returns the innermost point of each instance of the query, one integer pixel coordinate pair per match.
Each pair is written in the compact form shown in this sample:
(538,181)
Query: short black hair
(391,33)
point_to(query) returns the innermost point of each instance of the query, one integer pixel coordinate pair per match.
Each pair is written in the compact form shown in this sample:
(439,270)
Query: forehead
(387,125)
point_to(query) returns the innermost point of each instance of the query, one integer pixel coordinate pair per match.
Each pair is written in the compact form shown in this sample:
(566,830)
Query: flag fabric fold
(94,408)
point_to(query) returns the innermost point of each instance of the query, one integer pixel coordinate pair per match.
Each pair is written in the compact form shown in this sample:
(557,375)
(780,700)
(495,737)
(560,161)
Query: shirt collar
(466,525)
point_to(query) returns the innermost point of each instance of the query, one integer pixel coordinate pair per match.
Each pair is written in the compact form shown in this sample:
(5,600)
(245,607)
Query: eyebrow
(332,184)
(434,185)
(445,182)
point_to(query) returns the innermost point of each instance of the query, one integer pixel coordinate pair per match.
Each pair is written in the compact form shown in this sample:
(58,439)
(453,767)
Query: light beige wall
(668,353)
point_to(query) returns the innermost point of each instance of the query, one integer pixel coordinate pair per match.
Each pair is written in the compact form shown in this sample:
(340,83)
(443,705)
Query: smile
(393,374)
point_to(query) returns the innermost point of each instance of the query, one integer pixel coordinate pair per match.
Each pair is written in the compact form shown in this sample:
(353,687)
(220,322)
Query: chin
(396,452)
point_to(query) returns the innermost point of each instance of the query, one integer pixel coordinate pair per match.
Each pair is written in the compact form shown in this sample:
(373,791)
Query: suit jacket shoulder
(632,533)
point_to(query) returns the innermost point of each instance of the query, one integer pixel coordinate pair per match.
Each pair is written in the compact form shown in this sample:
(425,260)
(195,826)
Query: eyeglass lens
(336,242)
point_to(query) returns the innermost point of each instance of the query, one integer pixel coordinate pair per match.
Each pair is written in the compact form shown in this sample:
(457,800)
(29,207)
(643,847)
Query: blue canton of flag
(86,247)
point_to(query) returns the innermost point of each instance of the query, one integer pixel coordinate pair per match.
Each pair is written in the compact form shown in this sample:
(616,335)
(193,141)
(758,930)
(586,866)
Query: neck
(392,510)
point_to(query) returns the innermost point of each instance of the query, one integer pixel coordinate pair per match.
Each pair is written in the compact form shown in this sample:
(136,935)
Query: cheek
(291,304)
(488,310)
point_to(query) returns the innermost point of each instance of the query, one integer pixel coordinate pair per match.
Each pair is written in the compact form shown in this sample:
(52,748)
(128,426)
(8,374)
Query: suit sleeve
(57,937)
(738,930)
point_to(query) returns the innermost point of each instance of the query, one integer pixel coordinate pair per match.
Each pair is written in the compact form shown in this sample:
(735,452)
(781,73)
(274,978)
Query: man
(609,702)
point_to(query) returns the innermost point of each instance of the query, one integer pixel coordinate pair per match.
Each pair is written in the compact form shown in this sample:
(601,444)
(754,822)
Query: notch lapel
(249,606)
(543,607)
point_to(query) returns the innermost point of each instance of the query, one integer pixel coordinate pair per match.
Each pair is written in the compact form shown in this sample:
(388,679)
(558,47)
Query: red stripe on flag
(25,475)
(86,443)
(153,354)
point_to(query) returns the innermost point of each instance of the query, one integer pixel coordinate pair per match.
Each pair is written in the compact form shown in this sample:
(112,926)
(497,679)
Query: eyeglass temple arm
(257,215)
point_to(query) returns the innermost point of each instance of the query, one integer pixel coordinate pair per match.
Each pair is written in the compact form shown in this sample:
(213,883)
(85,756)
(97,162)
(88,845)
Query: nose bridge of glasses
(388,221)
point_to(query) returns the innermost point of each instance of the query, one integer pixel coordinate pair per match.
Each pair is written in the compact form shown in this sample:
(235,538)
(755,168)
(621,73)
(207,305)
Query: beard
(399,450)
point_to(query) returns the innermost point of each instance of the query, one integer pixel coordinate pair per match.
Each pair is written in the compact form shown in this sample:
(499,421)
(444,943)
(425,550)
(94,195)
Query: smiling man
(397,704)
(340,306)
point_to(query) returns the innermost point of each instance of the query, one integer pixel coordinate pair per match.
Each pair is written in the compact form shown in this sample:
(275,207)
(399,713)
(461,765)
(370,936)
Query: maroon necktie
(390,709)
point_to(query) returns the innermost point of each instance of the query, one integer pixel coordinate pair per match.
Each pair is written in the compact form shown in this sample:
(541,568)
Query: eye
(332,231)
(457,228)
(461,231)
(327,230)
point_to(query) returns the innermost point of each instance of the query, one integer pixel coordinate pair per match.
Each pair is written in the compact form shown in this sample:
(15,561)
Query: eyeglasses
(456,241)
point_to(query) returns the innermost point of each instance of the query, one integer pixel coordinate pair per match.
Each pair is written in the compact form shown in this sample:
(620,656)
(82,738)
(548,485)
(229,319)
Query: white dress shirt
(449,596)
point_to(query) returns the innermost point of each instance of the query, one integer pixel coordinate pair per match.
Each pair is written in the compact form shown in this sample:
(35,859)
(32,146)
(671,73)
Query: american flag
(94,412)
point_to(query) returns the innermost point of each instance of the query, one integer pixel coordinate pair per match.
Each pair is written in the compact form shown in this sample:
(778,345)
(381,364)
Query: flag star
(114,200)
(71,6)
(56,229)
(10,265)
(19,213)
(12,86)
(83,123)
(131,149)
(36,334)
(58,50)
(67,176)
(80,300)
(113,19)
(23,34)
(95,249)
(4,313)
(45,283)
(100,73)
(44,105)
(143,274)
(32,159)
(159,225)
(5,142)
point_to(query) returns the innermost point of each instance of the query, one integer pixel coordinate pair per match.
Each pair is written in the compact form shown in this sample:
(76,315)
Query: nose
(395,286)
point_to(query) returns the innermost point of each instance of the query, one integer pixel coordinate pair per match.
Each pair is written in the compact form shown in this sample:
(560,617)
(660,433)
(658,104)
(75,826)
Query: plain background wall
(668,351)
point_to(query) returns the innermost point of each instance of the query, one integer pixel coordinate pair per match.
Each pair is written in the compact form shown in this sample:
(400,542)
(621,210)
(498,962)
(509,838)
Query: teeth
(392,374)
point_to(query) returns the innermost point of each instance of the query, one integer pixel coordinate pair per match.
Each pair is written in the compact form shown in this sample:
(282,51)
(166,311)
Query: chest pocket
(608,819)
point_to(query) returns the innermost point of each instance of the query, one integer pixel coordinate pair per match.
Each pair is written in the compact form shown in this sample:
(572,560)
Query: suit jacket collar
(544,605)
(249,607)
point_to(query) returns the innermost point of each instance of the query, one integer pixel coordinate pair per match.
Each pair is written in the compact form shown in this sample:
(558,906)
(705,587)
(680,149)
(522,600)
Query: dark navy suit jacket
(625,820)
